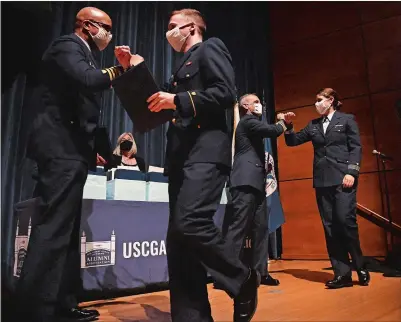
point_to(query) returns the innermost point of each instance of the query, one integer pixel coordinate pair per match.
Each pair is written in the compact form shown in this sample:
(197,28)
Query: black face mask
(125,145)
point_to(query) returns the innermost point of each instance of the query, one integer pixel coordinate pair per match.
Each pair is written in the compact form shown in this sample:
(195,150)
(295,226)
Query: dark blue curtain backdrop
(27,30)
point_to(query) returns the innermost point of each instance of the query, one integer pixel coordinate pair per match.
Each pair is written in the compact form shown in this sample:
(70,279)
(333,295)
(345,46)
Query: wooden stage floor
(301,296)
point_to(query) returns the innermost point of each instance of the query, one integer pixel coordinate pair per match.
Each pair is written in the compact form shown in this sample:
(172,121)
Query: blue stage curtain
(30,28)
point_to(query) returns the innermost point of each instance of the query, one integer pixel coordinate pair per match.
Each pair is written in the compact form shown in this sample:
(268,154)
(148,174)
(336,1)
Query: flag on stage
(273,201)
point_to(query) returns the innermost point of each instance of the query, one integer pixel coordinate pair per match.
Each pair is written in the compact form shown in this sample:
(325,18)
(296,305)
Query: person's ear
(192,30)
(85,25)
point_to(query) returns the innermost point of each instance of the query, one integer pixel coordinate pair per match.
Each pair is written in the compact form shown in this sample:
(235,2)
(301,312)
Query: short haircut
(243,96)
(193,14)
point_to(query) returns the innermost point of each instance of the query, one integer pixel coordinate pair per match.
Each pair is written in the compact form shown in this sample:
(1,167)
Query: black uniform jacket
(69,101)
(249,159)
(205,86)
(336,153)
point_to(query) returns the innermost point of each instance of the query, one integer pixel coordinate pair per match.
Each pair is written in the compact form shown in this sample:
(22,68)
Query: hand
(123,55)
(348,181)
(161,101)
(280,116)
(99,160)
(288,117)
(135,60)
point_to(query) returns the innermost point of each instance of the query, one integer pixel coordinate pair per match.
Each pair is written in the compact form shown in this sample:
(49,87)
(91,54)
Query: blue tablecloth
(123,243)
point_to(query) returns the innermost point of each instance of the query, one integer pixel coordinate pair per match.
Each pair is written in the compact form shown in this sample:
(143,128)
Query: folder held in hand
(133,88)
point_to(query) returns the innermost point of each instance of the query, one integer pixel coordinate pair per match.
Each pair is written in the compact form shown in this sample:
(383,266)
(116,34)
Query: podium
(157,187)
(130,184)
(95,186)
(124,184)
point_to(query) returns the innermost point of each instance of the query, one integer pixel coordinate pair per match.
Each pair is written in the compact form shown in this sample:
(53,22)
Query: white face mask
(176,39)
(322,106)
(258,109)
(102,38)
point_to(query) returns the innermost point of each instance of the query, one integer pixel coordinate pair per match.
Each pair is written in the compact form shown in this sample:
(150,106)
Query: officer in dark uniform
(338,152)
(62,144)
(198,160)
(248,213)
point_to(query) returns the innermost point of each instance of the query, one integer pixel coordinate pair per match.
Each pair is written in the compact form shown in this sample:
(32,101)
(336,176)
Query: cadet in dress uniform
(198,160)
(62,144)
(249,215)
(337,158)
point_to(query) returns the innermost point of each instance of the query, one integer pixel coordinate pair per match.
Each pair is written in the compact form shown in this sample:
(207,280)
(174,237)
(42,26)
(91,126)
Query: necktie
(326,122)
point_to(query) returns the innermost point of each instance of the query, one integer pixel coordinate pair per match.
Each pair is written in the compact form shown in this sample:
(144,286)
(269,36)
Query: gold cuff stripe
(118,70)
(112,71)
(108,72)
(111,74)
(192,101)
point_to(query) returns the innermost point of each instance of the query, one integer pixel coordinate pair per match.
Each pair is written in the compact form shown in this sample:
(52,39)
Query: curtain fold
(243,26)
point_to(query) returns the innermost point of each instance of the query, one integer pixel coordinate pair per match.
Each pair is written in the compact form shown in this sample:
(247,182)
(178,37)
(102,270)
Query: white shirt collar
(85,42)
(330,115)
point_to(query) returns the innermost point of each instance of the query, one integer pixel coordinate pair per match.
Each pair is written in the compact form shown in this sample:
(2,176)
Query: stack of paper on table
(95,185)
(126,183)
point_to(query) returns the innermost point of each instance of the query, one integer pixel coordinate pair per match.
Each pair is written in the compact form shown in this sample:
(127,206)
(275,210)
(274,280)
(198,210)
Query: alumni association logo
(99,253)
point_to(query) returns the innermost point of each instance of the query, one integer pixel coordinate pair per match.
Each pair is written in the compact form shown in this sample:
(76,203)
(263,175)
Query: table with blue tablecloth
(122,242)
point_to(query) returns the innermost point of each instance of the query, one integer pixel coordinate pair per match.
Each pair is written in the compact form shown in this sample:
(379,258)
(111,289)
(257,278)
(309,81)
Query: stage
(300,297)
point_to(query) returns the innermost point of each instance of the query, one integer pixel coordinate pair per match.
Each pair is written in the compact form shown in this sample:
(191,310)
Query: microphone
(382,155)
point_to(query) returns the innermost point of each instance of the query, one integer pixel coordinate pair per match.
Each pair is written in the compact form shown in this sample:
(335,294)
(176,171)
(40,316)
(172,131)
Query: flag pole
(236,120)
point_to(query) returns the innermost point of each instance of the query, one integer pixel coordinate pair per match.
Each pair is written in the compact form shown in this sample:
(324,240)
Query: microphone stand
(392,254)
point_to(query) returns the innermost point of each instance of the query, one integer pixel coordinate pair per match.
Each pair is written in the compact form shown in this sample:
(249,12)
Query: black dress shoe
(339,282)
(269,280)
(77,314)
(246,302)
(364,277)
